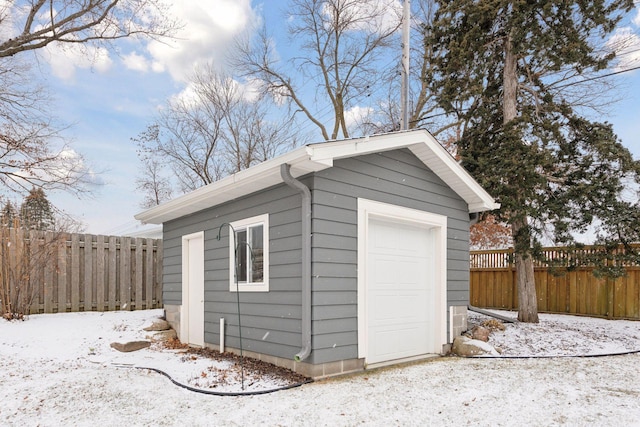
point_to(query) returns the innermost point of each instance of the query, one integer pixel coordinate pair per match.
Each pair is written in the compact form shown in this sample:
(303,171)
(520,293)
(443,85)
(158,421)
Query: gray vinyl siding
(270,320)
(395,177)
(171,270)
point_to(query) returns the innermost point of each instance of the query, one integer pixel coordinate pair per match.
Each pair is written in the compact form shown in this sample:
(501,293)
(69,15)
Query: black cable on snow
(220,393)
(290,386)
(558,356)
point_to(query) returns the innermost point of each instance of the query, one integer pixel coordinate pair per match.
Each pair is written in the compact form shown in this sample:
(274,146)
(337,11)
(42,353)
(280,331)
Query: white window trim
(250,287)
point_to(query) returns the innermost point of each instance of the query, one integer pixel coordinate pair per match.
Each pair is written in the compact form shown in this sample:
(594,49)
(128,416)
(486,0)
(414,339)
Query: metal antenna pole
(404,92)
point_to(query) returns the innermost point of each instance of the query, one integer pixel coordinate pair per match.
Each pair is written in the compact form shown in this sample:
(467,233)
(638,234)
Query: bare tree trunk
(527,299)
(525,279)
(510,83)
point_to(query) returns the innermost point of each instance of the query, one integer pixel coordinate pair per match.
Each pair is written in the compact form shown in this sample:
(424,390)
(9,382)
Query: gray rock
(158,325)
(480,333)
(464,346)
(130,346)
(163,335)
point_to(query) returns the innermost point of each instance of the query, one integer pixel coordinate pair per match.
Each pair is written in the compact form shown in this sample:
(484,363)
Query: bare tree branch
(68,21)
(343,42)
(215,130)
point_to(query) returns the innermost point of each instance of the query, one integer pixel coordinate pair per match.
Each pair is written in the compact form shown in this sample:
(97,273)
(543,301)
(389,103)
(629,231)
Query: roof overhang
(320,156)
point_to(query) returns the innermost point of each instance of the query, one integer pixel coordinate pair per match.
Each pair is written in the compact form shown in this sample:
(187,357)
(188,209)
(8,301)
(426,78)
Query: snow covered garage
(347,255)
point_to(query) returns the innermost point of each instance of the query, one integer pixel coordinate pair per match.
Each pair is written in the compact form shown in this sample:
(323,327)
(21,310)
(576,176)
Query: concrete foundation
(458,320)
(322,370)
(172,315)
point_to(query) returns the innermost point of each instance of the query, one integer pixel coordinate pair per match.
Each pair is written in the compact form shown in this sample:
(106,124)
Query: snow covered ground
(60,370)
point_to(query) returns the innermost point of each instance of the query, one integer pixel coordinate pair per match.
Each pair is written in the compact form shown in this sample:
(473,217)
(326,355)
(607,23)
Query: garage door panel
(391,308)
(397,343)
(397,271)
(397,237)
(400,290)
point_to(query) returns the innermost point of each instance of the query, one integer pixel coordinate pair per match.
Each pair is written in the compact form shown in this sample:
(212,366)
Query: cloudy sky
(114,97)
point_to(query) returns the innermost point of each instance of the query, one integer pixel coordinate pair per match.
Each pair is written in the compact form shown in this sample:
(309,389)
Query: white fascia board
(482,207)
(256,178)
(335,150)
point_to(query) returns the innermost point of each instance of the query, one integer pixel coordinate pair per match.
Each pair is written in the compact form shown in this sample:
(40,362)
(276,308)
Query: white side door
(192,315)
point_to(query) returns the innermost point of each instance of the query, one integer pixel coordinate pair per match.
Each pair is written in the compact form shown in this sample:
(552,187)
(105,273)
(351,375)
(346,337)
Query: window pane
(257,246)
(241,255)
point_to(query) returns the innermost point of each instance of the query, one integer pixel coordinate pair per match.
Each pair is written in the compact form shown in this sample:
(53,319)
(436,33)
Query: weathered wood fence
(574,291)
(59,272)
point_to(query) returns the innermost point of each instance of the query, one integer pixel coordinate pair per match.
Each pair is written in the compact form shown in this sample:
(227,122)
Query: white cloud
(626,44)
(357,115)
(251,90)
(136,62)
(636,20)
(210,27)
(64,59)
(71,165)
(193,95)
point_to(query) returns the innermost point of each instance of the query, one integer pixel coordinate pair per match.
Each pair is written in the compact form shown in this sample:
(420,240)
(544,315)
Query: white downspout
(288,179)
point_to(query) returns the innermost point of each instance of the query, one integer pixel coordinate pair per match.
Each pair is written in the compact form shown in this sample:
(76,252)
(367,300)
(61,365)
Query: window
(249,254)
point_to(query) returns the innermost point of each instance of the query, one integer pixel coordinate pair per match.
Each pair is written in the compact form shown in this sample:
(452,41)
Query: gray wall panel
(396,177)
(279,309)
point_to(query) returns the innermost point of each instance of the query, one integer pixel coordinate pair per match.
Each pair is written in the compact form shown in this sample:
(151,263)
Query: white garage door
(401,290)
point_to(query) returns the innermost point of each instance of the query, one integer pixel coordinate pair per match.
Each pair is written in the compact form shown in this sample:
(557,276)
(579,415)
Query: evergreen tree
(36,212)
(516,66)
(8,214)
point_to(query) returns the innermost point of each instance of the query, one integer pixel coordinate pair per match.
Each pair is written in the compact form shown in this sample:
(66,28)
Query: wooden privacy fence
(575,291)
(49,272)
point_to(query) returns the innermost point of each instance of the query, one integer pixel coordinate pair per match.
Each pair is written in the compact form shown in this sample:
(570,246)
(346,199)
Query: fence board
(125,273)
(157,281)
(149,279)
(493,284)
(62,279)
(88,280)
(100,273)
(113,283)
(59,272)
(75,272)
(139,271)
(35,282)
(48,297)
